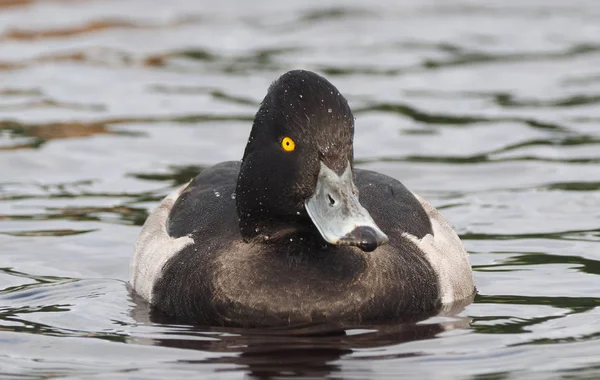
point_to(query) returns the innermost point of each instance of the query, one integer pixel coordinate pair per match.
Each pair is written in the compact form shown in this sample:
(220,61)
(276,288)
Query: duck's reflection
(310,350)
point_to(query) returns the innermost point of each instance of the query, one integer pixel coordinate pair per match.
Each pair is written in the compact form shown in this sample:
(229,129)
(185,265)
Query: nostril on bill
(331,200)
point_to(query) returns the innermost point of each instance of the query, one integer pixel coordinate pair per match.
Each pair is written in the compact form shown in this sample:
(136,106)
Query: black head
(302,124)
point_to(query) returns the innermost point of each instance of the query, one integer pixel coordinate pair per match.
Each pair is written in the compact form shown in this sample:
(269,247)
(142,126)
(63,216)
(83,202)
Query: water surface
(490,110)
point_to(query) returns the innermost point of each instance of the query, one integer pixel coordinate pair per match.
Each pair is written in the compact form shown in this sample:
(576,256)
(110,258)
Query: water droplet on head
(256,229)
(300,96)
(217,194)
(232,195)
(297,212)
(329,110)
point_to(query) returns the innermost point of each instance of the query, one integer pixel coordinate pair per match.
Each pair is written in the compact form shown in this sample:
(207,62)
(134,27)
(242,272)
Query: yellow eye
(288,144)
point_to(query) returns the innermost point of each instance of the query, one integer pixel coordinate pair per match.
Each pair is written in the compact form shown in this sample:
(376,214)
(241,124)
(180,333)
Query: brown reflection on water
(4,66)
(42,133)
(14,3)
(62,130)
(21,3)
(20,92)
(48,103)
(55,232)
(89,27)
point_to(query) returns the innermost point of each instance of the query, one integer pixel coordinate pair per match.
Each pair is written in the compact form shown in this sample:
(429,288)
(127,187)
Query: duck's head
(297,169)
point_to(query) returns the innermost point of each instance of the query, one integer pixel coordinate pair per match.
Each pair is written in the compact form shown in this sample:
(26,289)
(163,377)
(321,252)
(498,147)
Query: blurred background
(489,109)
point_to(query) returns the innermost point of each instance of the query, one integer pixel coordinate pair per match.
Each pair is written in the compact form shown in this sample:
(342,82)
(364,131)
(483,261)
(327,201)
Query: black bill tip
(365,238)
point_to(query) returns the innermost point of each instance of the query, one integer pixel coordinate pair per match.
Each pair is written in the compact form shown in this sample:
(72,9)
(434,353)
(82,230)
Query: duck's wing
(392,206)
(208,201)
(154,247)
(403,214)
(447,256)
(184,218)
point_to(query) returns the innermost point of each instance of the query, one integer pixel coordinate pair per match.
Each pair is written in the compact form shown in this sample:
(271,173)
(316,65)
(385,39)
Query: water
(488,109)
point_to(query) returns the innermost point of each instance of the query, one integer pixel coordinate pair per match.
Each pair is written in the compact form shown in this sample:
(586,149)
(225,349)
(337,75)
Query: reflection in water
(303,350)
(481,106)
(40,133)
(33,233)
(89,27)
(512,325)
(177,175)
(581,235)
(118,214)
(574,304)
(455,119)
(539,258)
(48,103)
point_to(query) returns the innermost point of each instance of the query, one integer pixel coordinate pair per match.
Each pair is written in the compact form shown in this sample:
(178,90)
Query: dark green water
(490,110)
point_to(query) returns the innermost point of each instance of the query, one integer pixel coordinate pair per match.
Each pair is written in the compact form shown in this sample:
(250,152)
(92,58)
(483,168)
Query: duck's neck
(265,214)
(263,227)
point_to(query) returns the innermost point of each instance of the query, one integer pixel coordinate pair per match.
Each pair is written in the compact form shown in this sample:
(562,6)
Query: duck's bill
(338,215)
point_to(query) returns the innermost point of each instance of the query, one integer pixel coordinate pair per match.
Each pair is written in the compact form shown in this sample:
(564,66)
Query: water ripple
(89,27)
(485,109)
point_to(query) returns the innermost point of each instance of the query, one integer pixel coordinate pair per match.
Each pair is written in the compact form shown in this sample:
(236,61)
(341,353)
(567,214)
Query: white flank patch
(447,256)
(154,247)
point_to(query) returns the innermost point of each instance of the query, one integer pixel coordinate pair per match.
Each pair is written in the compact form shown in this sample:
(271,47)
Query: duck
(294,233)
